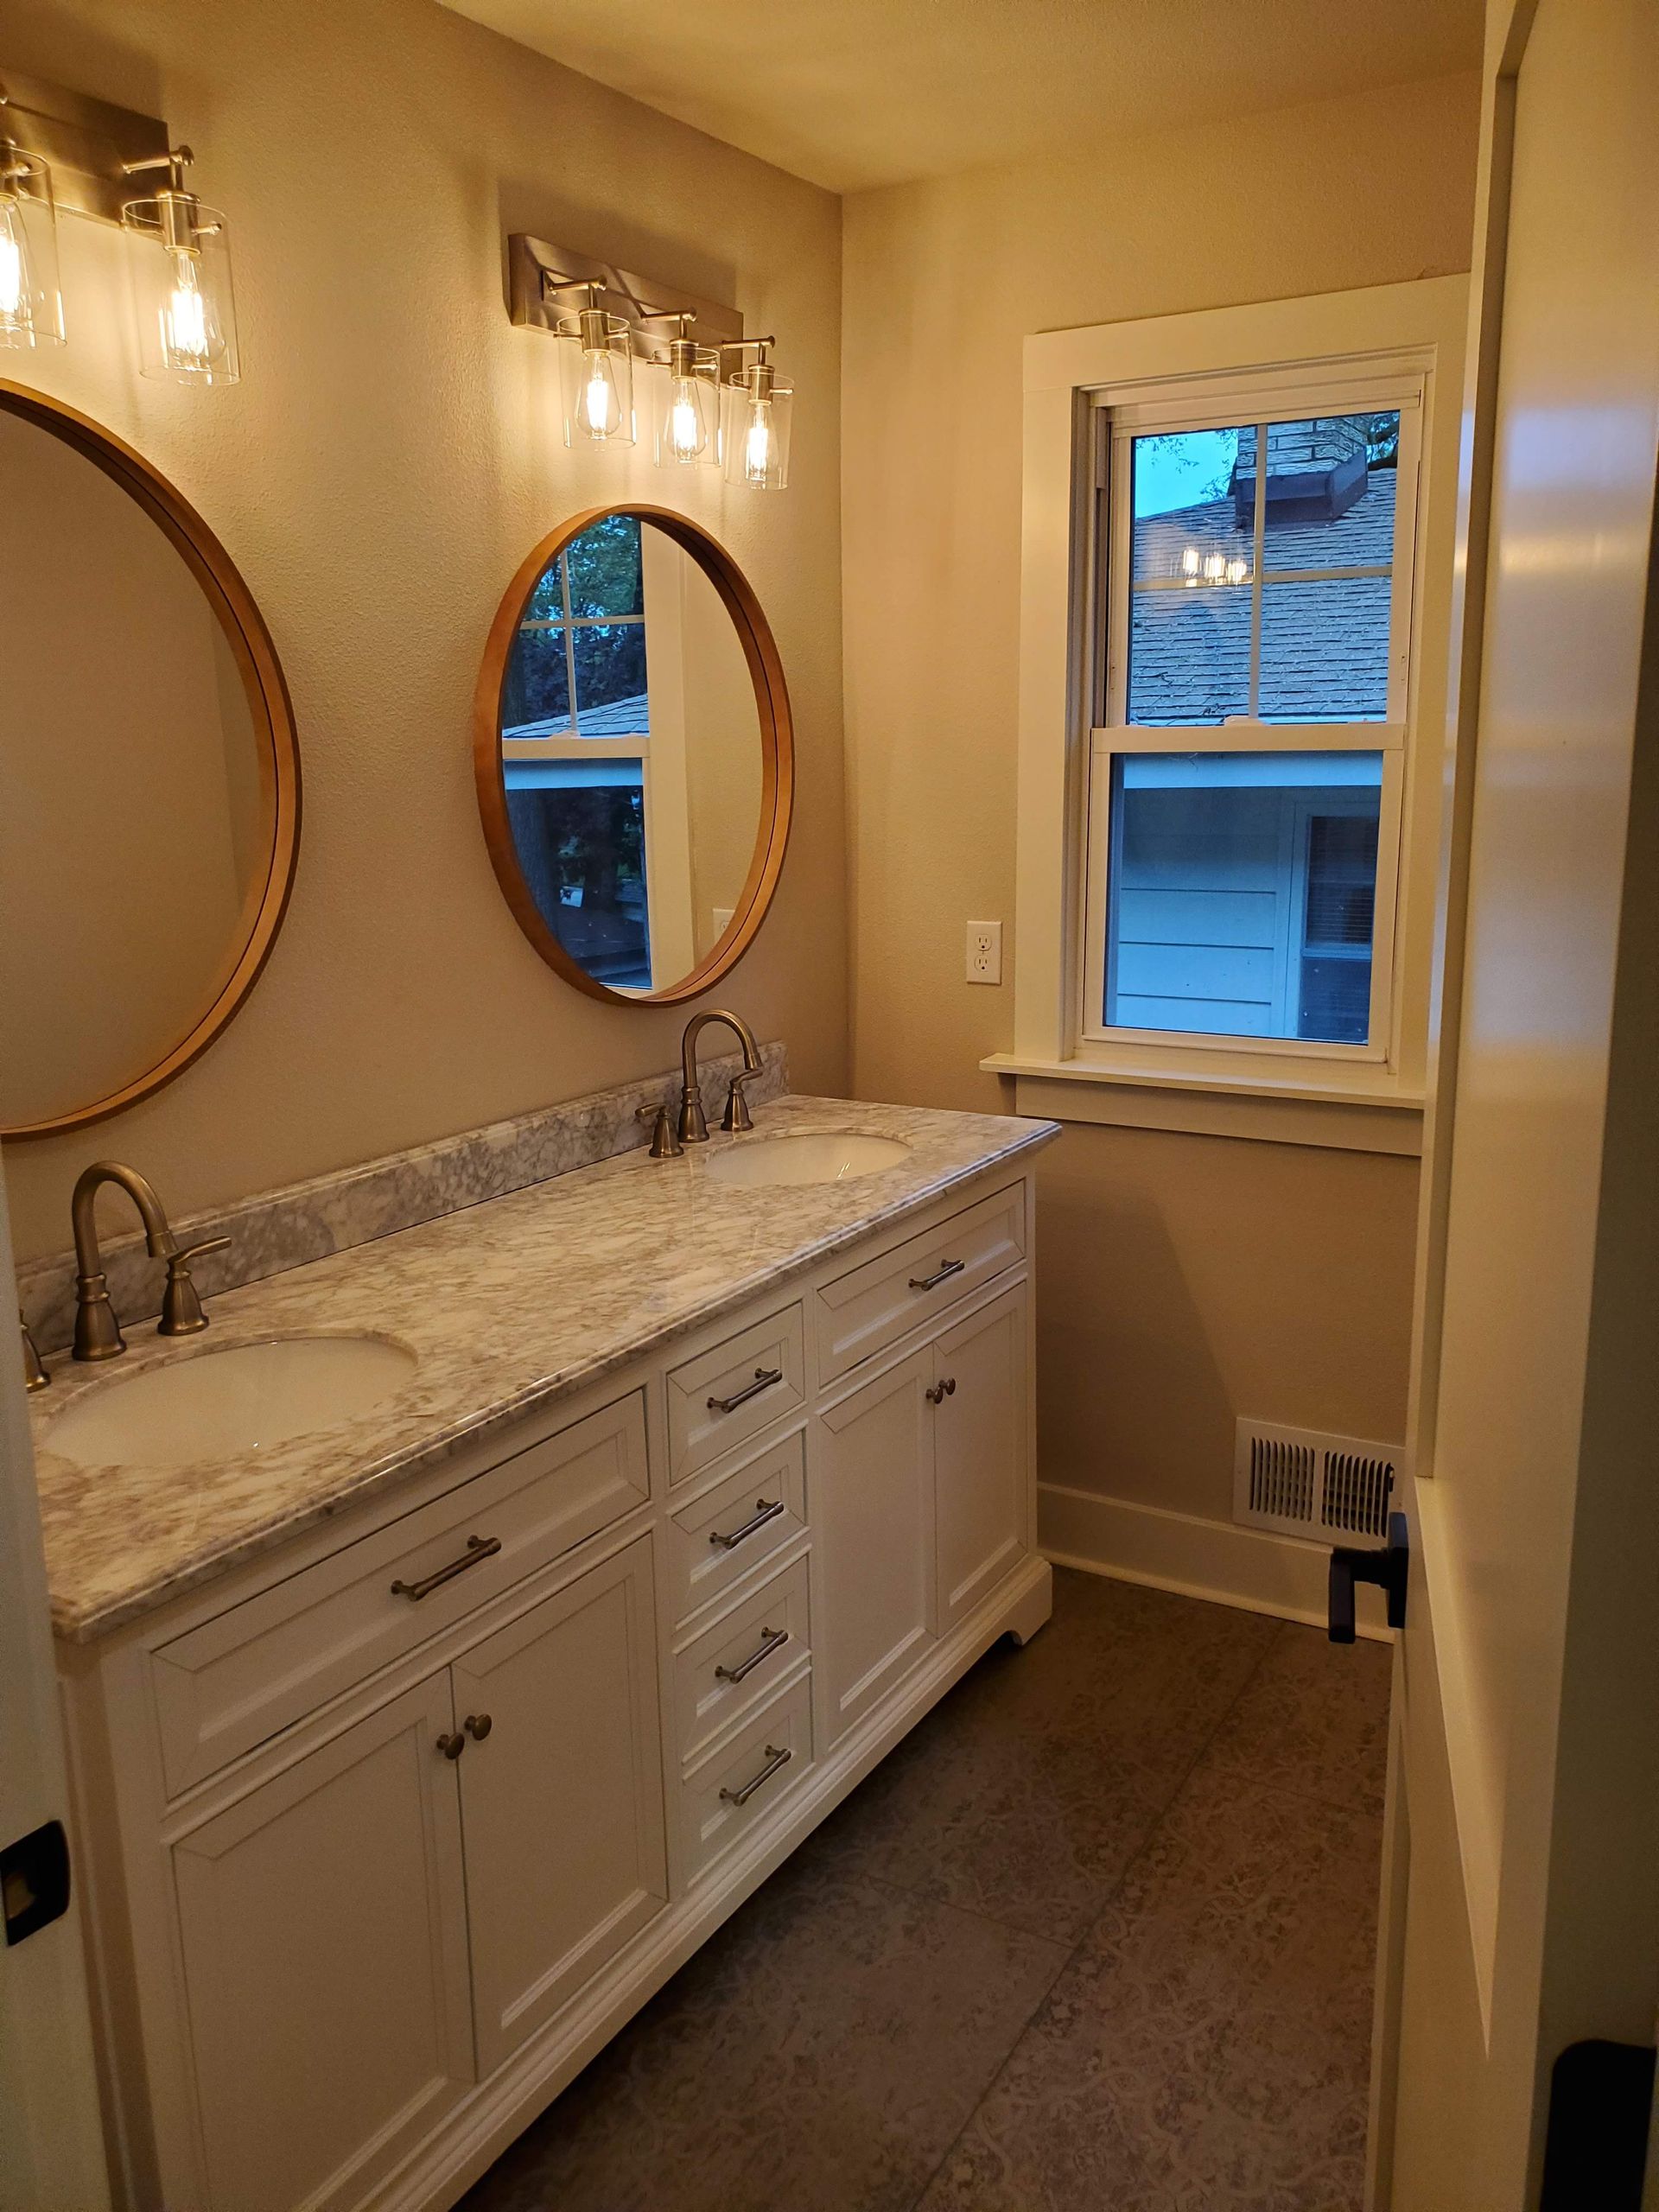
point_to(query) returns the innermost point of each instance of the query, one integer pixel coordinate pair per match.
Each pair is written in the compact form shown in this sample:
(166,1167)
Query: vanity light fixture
(595,370)
(1200,568)
(186,311)
(81,154)
(756,404)
(31,305)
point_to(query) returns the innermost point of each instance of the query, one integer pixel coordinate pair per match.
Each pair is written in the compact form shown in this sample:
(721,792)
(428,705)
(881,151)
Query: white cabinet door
(872,1507)
(979,1451)
(321,1920)
(561,1795)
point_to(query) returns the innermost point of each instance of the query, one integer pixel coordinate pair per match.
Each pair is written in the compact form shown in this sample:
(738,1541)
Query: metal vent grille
(1301,1482)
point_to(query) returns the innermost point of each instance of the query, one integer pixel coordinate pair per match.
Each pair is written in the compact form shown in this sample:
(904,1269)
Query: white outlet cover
(984,952)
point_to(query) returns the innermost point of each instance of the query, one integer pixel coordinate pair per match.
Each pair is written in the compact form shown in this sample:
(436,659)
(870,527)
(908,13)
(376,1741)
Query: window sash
(1116,525)
(1090,1027)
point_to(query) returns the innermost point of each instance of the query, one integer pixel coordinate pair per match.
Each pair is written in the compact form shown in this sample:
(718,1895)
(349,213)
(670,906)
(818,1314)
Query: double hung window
(1252,627)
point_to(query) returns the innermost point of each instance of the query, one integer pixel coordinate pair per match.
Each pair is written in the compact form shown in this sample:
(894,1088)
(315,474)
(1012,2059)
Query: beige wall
(1184,1279)
(389,457)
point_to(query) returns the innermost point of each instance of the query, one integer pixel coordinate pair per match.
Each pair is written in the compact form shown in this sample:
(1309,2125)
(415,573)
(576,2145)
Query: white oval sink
(814,1156)
(224,1404)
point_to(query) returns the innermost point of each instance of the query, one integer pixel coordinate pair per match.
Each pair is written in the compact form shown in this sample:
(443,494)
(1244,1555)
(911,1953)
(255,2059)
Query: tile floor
(1097,1938)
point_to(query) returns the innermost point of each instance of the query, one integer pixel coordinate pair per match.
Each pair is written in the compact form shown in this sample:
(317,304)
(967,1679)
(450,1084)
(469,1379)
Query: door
(872,1502)
(561,1795)
(51,2141)
(322,1925)
(1522,1907)
(979,1452)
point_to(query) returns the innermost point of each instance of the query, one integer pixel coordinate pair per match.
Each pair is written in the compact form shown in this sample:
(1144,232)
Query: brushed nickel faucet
(694,1127)
(98,1332)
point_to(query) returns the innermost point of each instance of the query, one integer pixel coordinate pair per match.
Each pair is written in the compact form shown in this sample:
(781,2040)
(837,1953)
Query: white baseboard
(1216,1560)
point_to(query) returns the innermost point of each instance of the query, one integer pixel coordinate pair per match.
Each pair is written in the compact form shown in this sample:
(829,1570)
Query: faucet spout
(98,1334)
(694,1123)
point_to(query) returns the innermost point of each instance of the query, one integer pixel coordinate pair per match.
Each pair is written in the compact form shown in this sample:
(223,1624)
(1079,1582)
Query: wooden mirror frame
(777,755)
(272,714)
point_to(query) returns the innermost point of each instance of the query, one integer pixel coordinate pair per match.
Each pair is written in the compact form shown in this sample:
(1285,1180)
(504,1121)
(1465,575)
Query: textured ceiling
(857,93)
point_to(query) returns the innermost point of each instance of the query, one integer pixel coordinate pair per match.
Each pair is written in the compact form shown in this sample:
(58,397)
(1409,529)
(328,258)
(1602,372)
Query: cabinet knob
(478,1725)
(452,1746)
(945,1387)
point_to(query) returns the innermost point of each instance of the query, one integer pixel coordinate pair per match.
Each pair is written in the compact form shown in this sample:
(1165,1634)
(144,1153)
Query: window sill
(1363,1113)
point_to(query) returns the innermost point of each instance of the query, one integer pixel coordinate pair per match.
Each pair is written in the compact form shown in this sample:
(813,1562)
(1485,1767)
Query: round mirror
(634,755)
(151,790)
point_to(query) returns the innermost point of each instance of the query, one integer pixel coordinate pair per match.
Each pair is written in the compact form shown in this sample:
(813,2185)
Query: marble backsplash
(279,1230)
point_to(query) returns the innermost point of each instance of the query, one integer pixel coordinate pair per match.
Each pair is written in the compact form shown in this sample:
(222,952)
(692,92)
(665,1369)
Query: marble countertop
(507,1306)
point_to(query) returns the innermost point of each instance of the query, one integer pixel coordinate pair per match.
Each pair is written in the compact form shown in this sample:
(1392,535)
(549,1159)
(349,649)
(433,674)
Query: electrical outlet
(984,952)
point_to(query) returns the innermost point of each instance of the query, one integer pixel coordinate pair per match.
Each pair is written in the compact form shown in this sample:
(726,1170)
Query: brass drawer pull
(945,1387)
(478,1549)
(771,1639)
(938,1275)
(763,1379)
(775,1760)
(765,1509)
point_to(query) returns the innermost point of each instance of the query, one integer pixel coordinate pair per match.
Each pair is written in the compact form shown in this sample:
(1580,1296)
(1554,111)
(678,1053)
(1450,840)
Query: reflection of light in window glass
(1295,630)
(1242,892)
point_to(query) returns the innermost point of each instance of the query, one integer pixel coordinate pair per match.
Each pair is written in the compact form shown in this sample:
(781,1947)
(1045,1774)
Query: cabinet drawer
(738,1661)
(226,1686)
(878,1303)
(738,1785)
(708,1545)
(724,1397)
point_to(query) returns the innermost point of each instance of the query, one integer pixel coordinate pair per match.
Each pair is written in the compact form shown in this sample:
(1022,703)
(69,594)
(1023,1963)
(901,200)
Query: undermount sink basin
(224,1404)
(814,1156)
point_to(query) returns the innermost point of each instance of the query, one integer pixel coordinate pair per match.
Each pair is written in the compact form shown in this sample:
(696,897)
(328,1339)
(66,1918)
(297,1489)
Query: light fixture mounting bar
(543,283)
(84,141)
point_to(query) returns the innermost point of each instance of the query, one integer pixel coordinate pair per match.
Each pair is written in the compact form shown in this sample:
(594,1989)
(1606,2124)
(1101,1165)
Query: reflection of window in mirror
(630,759)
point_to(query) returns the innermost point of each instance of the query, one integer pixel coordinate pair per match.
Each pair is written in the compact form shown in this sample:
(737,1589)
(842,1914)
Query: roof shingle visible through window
(1325,645)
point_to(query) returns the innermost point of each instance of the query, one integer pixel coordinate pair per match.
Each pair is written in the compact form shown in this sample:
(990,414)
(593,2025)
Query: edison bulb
(686,434)
(14,268)
(756,446)
(601,406)
(189,337)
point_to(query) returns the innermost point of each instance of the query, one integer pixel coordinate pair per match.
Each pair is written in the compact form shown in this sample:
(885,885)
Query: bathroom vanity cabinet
(385,1831)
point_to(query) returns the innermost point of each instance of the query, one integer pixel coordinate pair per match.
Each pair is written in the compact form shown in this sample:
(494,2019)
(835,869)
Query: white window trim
(1399,336)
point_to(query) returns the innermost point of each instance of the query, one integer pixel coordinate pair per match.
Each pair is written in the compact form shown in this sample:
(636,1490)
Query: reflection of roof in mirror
(616,718)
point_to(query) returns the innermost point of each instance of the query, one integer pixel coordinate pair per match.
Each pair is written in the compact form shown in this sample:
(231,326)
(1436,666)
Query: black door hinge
(1596,2150)
(1390,1569)
(34,1880)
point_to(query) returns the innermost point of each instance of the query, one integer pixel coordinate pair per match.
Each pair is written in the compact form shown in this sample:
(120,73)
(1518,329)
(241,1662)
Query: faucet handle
(737,1117)
(181,1313)
(665,1143)
(35,1374)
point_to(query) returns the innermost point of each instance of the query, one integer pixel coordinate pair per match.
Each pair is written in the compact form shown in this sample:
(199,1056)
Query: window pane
(581,849)
(1324,651)
(1241,893)
(1330,484)
(1189,655)
(604,567)
(536,694)
(546,596)
(1189,622)
(611,679)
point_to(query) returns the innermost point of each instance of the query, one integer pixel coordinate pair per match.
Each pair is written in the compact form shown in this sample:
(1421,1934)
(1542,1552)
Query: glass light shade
(596,378)
(31,304)
(181,273)
(686,425)
(755,411)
